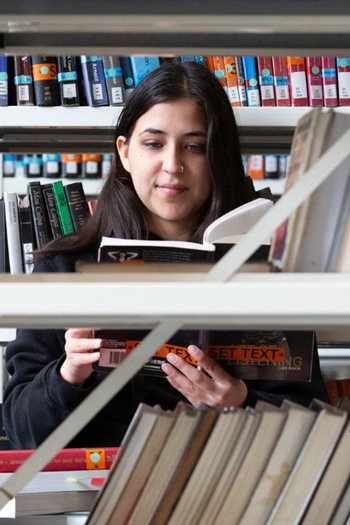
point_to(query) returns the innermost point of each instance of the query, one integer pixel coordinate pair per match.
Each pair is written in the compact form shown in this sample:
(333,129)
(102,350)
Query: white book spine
(13,233)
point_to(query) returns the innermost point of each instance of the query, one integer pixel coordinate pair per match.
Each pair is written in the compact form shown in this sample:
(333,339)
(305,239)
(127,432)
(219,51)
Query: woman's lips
(172,189)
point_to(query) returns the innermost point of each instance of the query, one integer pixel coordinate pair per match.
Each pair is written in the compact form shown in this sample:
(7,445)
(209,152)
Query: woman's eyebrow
(155,131)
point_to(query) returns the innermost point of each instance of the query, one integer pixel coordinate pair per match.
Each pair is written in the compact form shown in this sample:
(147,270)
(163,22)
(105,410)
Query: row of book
(57,165)
(266,166)
(29,221)
(107,80)
(272,465)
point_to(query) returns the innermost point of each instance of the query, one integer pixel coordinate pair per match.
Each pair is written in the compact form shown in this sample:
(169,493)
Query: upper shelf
(180,27)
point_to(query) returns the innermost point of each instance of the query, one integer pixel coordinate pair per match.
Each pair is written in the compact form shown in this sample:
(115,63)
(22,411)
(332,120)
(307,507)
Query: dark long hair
(119,212)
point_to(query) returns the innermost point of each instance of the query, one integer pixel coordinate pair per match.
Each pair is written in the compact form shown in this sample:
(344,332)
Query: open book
(227,229)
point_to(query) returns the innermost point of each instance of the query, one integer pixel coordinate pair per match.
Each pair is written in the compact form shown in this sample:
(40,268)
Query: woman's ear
(123,150)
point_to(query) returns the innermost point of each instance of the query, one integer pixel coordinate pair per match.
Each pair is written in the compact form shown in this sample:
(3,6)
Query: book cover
(24,80)
(314,80)
(45,80)
(94,80)
(281,80)
(62,207)
(71,165)
(343,75)
(68,81)
(266,80)
(142,65)
(52,167)
(252,355)
(4,81)
(67,459)
(91,165)
(329,81)
(251,80)
(241,87)
(13,236)
(128,77)
(26,232)
(114,80)
(40,219)
(297,81)
(77,203)
(232,80)
(52,211)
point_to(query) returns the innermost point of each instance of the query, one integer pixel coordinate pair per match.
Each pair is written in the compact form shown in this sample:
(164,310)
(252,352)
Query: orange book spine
(232,80)
(297,79)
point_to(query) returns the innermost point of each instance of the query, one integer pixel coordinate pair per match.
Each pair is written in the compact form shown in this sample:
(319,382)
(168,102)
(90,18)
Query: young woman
(178,167)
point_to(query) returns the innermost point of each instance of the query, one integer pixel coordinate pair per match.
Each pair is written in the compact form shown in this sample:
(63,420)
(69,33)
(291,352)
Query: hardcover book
(232,80)
(297,81)
(142,65)
(71,165)
(94,80)
(45,80)
(251,80)
(33,165)
(329,81)
(62,207)
(128,77)
(77,203)
(52,165)
(68,81)
(281,80)
(4,81)
(114,80)
(52,211)
(91,166)
(13,236)
(24,80)
(40,219)
(241,88)
(4,267)
(26,231)
(314,80)
(266,81)
(343,75)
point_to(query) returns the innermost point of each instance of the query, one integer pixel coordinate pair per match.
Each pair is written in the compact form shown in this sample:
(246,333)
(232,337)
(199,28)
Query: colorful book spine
(4,83)
(52,211)
(67,459)
(27,232)
(271,166)
(256,166)
(232,80)
(114,80)
(241,87)
(9,165)
(92,166)
(94,80)
(219,70)
(68,81)
(63,208)
(71,165)
(266,80)
(33,165)
(251,80)
(77,203)
(297,81)
(13,236)
(314,80)
(281,81)
(343,73)
(128,77)
(45,80)
(24,80)
(329,81)
(40,220)
(52,165)
(3,249)
(142,65)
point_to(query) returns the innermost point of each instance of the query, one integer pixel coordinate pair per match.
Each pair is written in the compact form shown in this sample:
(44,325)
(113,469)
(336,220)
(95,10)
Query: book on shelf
(51,209)
(68,81)
(4,263)
(24,80)
(313,66)
(232,80)
(142,65)
(51,165)
(251,79)
(53,493)
(40,220)
(266,80)
(4,81)
(297,81)
(62,207)
(45,82)
(77,204)
(241,88)
(128,77)
(26,232)
(71,165)
(114,80)
(281,80)
(13,235)
(218,66)
(343,77)
(91,165)
(310,239)
(98,458)
(329,81)
(33,166)
(94,80)
(227,229)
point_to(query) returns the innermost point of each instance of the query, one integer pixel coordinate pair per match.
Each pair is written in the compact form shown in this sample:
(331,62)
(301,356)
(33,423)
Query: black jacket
(37,399)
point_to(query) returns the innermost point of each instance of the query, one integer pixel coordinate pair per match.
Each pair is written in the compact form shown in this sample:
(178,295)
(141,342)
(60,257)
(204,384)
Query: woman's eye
(153,144)
(196,148)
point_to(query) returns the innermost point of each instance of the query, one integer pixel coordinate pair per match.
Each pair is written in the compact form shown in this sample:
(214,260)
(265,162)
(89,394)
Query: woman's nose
(172,163)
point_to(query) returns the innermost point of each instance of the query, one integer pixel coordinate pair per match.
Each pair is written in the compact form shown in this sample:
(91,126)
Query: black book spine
(27,233)
(114,80)
(68,81)
(77,203)
(40,219)
(4,262)
(24,80)
(52,212)
(45,80)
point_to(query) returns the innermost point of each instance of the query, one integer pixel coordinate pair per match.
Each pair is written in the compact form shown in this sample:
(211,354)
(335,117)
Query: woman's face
(167,159)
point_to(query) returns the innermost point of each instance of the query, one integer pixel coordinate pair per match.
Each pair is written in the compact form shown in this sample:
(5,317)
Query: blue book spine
(141,66)
(114,80)
(94,80)
(250,71)
(128,77)
(4,85)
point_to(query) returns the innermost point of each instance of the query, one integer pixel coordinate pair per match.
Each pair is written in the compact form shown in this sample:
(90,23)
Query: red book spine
(66,459)
(329,81)
(281,81)
(265,72)
(343,72)
(297,80)
(314,80)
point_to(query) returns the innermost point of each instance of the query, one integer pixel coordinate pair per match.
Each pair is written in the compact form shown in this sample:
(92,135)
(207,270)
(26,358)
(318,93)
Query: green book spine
(62,206)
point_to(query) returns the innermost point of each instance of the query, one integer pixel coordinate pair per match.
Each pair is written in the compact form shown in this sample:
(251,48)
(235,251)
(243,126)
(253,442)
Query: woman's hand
(211,385)
(81,352)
